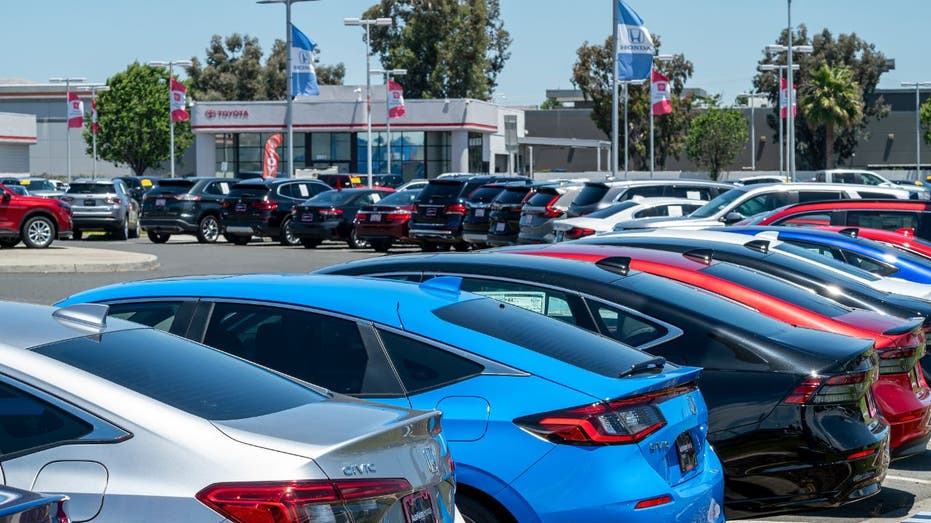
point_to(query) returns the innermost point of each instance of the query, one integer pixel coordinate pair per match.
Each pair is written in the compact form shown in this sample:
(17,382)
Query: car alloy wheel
(288,238)
(208,230)
(38,232)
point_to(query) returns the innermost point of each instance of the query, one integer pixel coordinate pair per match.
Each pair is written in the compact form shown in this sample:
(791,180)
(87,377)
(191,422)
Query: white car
(861,177)
(605,219)
(890,285)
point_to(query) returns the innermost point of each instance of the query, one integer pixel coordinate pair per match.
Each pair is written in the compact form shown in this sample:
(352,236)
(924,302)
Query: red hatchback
(34,220)
(901,393)
(386,222)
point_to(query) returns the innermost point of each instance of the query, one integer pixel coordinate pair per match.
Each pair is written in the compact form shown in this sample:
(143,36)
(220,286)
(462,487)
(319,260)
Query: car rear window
(331,197)
(542,197)
(441,190)
(249,189)
(591,194)
(484,194)
(185,375)
(90,188)
(174,186)
(512,195)
(612,210)
(400,198)
(543,335)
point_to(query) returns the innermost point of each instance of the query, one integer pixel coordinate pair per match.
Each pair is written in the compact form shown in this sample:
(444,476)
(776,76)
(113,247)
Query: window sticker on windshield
(303,190)
(532,301)
(693,195)
(675,210)
(224,187)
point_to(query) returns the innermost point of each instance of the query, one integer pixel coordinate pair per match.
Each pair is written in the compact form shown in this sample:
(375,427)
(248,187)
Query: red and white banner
(270,163)
(660,94)
(395,100)
(94,127)
(784,99)
(178,112)
(75,111)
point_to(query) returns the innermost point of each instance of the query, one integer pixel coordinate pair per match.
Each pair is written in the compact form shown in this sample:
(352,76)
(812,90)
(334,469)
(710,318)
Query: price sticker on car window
(224,187)
(303,190)
(693,195)
(675,210)
(532,301)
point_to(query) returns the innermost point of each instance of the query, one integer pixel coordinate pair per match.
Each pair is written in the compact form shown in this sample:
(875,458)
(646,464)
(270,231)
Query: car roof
(44,328)
(658,181)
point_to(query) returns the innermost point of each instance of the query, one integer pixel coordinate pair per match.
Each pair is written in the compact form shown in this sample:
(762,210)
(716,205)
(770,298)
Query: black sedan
(330,215)
(791,411)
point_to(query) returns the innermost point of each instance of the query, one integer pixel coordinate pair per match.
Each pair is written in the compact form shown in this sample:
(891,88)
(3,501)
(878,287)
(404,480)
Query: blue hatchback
(546,422)
(871,256)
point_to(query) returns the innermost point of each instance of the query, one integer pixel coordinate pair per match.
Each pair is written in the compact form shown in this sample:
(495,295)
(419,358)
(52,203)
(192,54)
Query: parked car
(23,506)
(476,218)
(385,223)
(35,221)
(862,177)
(124,420)
(742,202)
(525,398)
(102,205)
(439,210)
(605,219)
(753,180)
(598,195)
(41,187)
(769,437)
(416,183)
(540,210)
(331,215)
(902,395)
(504,213)
(184,206)
(134,187)
(876,214)
(902,240)
(262,207)
(18,189)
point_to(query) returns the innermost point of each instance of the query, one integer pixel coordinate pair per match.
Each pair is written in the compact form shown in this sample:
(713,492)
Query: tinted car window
(889,220)
(817,196)
(826,260)
(27,422)
(511,196)
(249,189)
(400,198)
(667,210)
(484,194)
(718,204)
(806,220)
(692,193)
(612,210)
(218,188)
(876,195)
(647,191)
(542,197)
(173,186)
(90,188)
(331,197)
(552,303)
(191,377)
(540,334)
(624,327)
(869,264)
(441,190)
(762,203)
(423,366)
(160,315)
(592,193)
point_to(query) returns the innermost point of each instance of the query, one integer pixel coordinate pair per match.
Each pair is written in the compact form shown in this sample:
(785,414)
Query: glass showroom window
(226,154)
(252,150)
(438,154)
(331,149)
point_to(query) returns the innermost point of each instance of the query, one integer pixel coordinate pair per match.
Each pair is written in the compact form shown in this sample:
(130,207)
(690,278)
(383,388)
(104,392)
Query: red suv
(890,215)
(33,220)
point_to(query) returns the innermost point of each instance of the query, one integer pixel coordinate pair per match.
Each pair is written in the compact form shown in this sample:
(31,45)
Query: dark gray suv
(102,205)
(185,206)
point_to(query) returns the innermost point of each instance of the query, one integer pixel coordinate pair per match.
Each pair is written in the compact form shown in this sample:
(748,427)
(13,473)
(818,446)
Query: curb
(138,262)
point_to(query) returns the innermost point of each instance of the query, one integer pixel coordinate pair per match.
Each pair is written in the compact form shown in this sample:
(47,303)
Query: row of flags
(76,108)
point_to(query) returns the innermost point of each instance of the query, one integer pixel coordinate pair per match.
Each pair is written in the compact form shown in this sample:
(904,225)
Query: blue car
(545,421)
(871,256)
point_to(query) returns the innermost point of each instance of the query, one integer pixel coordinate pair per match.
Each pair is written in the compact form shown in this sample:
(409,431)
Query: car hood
(681,221)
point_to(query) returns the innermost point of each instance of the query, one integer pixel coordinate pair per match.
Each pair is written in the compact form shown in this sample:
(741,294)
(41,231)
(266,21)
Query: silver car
(134,424)
(102,205)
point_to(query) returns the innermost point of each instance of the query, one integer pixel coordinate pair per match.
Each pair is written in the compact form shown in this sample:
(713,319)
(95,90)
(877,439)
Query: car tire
(8,243)
(158,237)
(428,247)
(208,229)
(123,232)
(288,238)
(134,232)
(355,242)
(461,246)
(237,239)
(310,243)
(38,232)
(472,511)
(77,234)
(381,245)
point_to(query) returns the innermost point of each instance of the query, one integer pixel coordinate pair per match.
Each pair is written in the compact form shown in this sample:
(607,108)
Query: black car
(135,187)
(440,208)
(262,207)
(598,195)
(475,221)
(504,214)
(330,216)
(185,206)
(791,410)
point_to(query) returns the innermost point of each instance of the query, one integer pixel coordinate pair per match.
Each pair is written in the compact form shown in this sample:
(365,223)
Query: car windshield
(188,376)
(591,194)
(718,204)
(400,198)
(331,197)
(614,209)
(90,188)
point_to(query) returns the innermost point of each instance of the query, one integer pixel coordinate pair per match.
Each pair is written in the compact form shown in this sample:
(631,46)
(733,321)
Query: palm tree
(831,99)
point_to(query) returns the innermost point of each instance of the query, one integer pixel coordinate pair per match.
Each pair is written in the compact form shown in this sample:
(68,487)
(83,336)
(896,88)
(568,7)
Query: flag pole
(94,129)
(626,128)
(290,93)
(614,147)
(388,117)
(650,106)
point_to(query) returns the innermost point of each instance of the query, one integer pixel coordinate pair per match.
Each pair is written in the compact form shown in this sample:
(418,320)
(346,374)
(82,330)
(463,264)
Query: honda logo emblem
(635,35)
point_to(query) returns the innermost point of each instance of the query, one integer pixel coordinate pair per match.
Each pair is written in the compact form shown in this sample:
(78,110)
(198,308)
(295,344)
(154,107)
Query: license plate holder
(479,213)
(685,449)
(431,212)
(90,203)
(526,219)
(159,202)
(418,508)
(499,227)
(307,217)
(375,217)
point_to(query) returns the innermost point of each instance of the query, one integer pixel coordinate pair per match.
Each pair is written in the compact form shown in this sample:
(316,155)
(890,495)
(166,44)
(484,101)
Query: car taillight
(187,197)
(899,360)
(550,211)
(114,200)
(456,208)
(305,501)
(265,205)
(398,215)
(616,422)
(225,204)
(844,388)
(362,216)
(331,212)
(61,516)
(578,232)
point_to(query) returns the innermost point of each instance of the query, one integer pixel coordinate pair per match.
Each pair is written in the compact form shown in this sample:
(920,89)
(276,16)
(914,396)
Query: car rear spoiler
(913,323)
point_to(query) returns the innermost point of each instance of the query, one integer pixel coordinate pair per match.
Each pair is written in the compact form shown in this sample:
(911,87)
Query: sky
(724,39)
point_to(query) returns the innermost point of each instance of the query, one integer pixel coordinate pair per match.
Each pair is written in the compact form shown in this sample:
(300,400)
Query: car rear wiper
(651,365)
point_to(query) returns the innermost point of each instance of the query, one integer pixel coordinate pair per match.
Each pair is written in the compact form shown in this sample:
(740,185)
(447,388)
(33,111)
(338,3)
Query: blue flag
(634,45)
(303,75)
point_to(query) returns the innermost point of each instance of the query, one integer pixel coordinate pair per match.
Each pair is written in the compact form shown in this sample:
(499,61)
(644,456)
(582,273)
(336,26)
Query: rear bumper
(248,227)
(502,240)
(908,413)
(169,225)
(317,231)
(436,235)
(97,222)
(393,232)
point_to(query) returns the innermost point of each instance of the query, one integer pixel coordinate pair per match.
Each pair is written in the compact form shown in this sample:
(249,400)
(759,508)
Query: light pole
(94,89)
(171,121)
(917,86)
(790,113)
(289,115)
(751,100)
(388,74)
(656,58)
(782,144)
(68,80)
(368,23)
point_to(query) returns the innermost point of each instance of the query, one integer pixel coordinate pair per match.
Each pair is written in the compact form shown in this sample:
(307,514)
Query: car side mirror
(732,217)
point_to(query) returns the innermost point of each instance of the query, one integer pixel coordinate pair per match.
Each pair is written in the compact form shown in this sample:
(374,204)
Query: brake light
(456,208)
(862,454)
(61,516)
(114,200)
(265,205)
(618,422)
(330,212)
(578,232)
(398,215)
(304,501)
(187,197)
(899,360)
(550,211)
(362,216)
(844,388)
(653,502)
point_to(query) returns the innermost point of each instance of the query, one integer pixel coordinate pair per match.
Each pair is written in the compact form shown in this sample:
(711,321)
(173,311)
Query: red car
(386,222)
(34,220)
(891,215)
(901,393)
(902,239)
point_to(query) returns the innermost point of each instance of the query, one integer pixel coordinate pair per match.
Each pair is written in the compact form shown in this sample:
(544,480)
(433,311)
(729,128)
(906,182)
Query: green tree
(716,137)
(592,75)
(831,100)
(925,118)
(450,48)
(133,118)
(866,64)
(232,70)
(550,103)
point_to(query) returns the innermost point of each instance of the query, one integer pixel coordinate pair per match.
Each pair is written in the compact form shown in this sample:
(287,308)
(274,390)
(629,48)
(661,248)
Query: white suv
(860,177)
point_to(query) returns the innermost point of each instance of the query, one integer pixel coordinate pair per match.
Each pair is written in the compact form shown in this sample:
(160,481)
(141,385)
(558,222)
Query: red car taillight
(114,200)
(330,213)
(844,388)
(225,204)
(551,212)
(899,360)
(578,232)
(61,516)
(398,216)
(265,205)
(456,208)
(616,422)
(187,197)
(305,501)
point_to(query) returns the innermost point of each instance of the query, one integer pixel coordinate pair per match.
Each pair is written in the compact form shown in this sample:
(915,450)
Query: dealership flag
(634,45)
(395,100)
(303,75)
(178,113)
(784,99)
(660,98)
(75,111)
(270,164)
(94,127)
